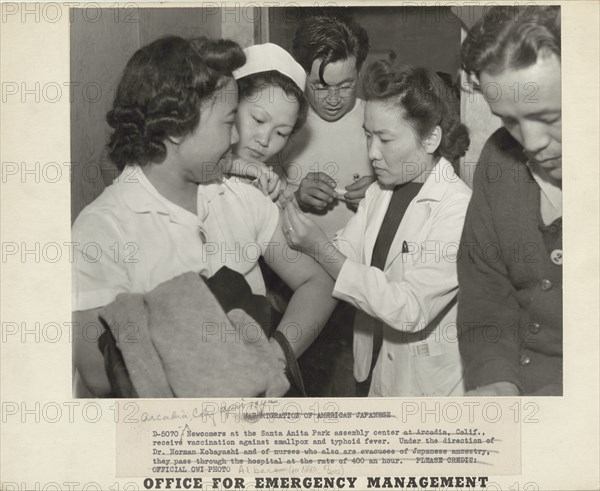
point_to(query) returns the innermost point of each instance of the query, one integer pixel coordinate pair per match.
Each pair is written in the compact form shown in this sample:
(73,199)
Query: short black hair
(331,38)
(161,91)
(250,84)
(511,37)
(424,100)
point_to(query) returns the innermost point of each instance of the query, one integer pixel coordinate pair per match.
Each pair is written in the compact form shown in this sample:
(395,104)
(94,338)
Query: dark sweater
(510,291)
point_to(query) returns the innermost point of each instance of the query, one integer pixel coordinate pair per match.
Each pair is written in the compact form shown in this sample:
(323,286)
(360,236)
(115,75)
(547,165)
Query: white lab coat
(415,294)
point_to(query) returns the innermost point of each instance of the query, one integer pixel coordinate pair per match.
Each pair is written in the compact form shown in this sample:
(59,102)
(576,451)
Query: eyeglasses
(343,90)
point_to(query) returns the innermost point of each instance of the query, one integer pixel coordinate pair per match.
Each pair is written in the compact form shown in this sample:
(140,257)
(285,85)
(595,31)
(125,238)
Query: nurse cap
(269,56)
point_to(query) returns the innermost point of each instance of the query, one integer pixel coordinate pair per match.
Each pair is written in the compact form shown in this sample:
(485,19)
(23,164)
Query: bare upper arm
(293,267)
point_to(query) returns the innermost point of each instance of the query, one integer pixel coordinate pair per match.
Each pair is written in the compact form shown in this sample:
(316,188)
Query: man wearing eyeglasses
(326,162)
(328,171)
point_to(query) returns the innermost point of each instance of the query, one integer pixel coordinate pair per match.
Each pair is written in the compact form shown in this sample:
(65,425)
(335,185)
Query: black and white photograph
(291,202)
(300,245)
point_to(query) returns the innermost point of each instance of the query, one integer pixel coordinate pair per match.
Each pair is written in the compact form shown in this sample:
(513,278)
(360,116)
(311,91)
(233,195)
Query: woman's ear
(432,142)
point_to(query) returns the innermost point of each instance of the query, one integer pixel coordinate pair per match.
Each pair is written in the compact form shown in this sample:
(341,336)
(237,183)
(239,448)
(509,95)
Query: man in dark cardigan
(510,262)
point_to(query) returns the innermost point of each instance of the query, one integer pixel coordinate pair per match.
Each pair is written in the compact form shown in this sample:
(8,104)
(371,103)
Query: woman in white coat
(395,259)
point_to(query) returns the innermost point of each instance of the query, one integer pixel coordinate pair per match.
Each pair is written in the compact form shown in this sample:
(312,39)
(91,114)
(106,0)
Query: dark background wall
(427,36)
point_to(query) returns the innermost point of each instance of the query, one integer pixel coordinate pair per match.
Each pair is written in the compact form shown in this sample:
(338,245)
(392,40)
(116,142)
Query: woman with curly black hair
(171,211)
(395,259)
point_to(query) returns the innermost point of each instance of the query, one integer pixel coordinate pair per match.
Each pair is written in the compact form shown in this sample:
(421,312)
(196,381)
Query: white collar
(551,193)
(435,185)
(436,182)
(142,197)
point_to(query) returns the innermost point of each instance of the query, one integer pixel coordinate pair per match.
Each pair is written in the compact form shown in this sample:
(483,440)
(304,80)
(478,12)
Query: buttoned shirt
(131,238)
(510,275)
